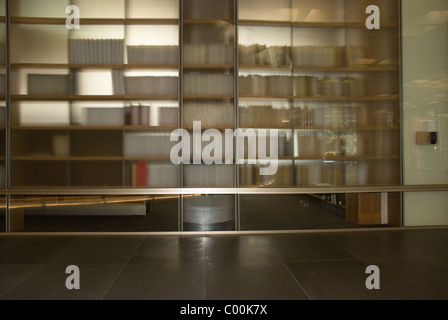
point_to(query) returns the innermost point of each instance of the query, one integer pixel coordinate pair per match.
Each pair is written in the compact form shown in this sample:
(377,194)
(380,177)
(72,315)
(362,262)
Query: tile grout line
(290,272)
(42,265)
(120,272)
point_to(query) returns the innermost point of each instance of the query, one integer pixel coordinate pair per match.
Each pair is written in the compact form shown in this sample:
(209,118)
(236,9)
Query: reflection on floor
(257,212)
(309,265)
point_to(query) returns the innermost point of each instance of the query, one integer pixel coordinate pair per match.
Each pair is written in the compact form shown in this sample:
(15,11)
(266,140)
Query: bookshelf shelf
(93,66)
(209,67)
(362,68)
(90,97)
(307,24)
(323,98)
(95,21)
(62,21)
(203,21)
(38,158)
(349,158)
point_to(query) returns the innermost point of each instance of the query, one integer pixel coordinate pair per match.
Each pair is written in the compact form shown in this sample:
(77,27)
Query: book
(141,174)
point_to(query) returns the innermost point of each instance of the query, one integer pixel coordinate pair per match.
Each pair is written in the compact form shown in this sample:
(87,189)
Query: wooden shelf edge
(94,21)
(93,66)
(349,158)
(359,68)
(311,24)
(90,97)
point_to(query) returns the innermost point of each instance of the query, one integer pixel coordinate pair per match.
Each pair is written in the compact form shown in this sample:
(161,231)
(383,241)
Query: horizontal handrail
(216,191)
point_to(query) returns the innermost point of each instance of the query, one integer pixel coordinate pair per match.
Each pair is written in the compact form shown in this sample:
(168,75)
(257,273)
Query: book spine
(142,173)
(134,115)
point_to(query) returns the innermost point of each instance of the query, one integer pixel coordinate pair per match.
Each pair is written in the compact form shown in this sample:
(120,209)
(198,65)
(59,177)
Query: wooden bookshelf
(218,26)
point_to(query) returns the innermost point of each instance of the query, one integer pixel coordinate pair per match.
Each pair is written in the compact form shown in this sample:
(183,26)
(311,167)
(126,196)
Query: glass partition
(208,110)
(3,136)
(256,94)
(425,109)
(98,213)
(319,211)
(102,98)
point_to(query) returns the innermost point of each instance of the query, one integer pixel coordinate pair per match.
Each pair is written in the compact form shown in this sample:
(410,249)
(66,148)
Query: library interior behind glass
(94,111)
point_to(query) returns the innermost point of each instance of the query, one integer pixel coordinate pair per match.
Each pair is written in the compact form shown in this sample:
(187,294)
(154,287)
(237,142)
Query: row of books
(48,84)
(208,84)
(208,53)
(134,115)
(96,51)
(301,56)
(153,55)
(148,85)
(141,115)
(79,82)
(301,86)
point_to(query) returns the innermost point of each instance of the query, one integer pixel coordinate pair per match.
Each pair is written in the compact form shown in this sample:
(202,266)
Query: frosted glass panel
(318,11)
(425,208)
(41,113)
(100,8)
(425,90)
(264,9)
(38,8)
(152,35)
(168,9)
(39,44)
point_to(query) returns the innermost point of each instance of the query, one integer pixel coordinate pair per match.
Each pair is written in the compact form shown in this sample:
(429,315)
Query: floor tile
(12,275)
(49,283)
(34,250)
(99,250)
(159,281)
(342,280)
(251,280)
(6,241)
(423,278)
(239,248)
(373,244)
(169,248)
(298,247)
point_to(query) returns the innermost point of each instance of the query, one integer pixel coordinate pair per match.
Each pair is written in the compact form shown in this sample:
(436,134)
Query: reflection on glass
(3,214)
(335,86)
(2,106)
(319,211)
(94,213)
(208,213)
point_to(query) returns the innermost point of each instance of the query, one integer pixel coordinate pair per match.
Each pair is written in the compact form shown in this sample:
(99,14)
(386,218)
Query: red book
(142,172)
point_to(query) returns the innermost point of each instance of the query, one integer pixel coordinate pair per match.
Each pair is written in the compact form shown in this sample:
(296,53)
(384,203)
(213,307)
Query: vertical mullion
(8,118)
(292,102)
(180,112)
(236,116)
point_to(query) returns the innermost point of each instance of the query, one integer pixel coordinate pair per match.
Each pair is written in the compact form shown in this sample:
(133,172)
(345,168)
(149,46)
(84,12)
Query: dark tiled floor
(288,266)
